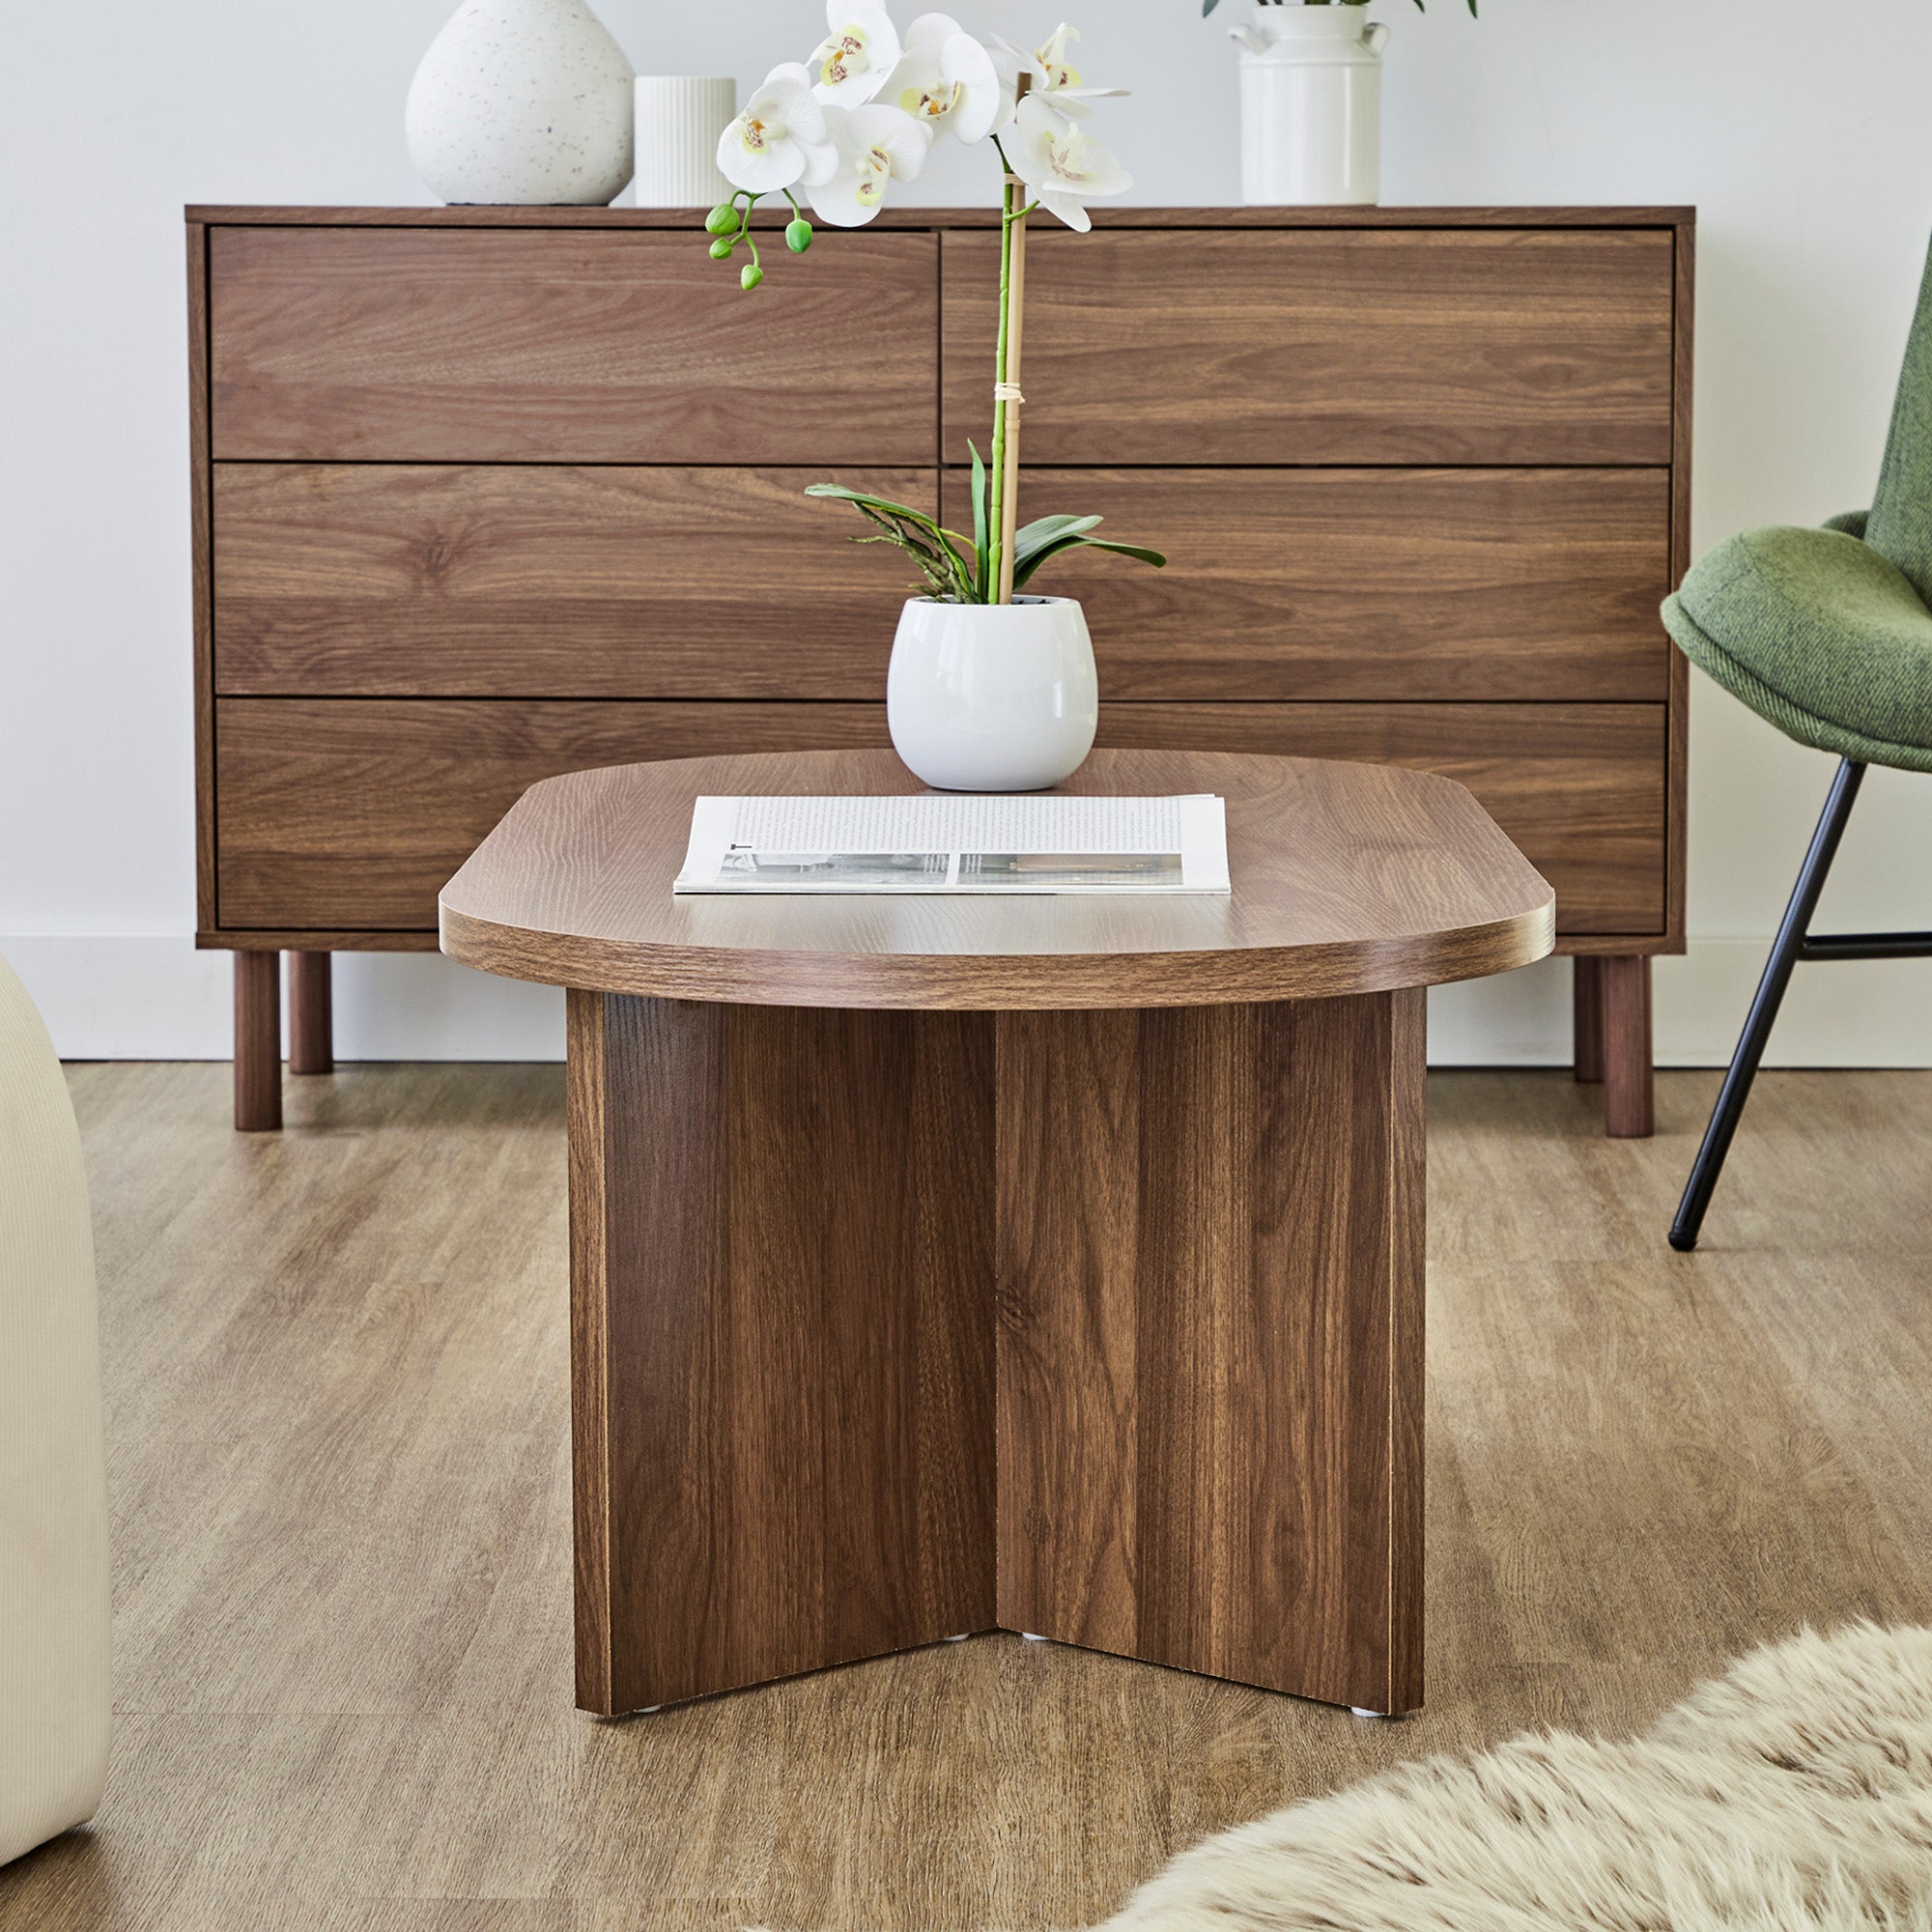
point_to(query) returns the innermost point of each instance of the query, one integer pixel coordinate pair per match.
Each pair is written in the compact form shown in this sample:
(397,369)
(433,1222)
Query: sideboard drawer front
(1369,584)
(349,815)
(569,346)
(1580,787)
(1345,346)
(373,580)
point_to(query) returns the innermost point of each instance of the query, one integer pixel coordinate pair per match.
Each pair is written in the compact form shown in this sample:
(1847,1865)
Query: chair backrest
(1901,517)
(54,1701)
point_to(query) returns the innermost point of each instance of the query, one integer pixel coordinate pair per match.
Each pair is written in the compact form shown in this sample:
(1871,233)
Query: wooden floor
(335,1367)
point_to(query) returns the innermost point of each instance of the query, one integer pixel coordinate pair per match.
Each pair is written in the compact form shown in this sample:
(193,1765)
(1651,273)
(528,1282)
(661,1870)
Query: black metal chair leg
(1784,956)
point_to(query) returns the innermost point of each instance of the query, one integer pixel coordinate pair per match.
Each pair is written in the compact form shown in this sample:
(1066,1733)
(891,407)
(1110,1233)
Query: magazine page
(945,843)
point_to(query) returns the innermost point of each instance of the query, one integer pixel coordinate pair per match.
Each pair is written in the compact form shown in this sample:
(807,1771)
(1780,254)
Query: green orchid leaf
(917,532)
(1138,552)
(1050,529)
(1082,542)
(838,494)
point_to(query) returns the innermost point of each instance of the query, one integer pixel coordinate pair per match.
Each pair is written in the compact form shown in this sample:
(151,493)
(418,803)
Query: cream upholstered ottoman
(55,1691)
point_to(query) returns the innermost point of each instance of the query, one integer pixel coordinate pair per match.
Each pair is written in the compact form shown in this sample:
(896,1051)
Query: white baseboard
(154,997)
(157,998)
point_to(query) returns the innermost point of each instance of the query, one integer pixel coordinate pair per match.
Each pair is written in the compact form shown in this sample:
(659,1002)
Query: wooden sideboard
(486,494)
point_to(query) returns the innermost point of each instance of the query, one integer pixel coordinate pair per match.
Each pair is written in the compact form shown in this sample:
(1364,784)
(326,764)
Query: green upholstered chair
(1827,634)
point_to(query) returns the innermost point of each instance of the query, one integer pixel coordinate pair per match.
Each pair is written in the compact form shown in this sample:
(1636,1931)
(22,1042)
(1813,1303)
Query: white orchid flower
(1064,167)
(875,146)
(1053,57)
(780,139)
(1053,77)
(947,80)
(856,59)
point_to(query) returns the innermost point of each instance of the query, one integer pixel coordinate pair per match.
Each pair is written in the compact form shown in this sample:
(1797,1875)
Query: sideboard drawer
(1370,345)
(1582,788)
(1369,584)
(350,814)
(374,579)
(568,346)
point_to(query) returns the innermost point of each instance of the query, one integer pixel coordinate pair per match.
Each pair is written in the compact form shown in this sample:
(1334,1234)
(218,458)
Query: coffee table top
(1346,879)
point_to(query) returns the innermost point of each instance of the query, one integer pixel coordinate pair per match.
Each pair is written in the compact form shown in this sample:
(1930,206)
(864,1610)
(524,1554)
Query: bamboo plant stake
(1010,398)
(1012,327)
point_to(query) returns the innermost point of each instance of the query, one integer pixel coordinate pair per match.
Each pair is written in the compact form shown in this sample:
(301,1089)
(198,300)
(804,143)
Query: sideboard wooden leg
(1210,1367)
(1588,1054)
(311,1024)
(258,1042)
(1630,1111)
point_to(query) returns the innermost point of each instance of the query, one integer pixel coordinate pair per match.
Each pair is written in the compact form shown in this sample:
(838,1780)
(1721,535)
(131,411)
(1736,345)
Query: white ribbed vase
(679,120)
(525,102)
(1311,107)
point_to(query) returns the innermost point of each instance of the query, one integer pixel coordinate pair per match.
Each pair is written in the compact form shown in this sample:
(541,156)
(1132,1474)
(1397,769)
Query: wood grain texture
(587,1072)
(1211,1311)
(311,1013)
(783,1344)
(272,939)
(353,813)
(1630,1082)
(620,347)
(201,573)
(1347,878)
(337,1407)
(1677,849)
(1580,788)
(1394,584)
(378,580)
(1358,346)
(338,812)
(1587,999)
(374,579)
(258,1042)
(1401,1143)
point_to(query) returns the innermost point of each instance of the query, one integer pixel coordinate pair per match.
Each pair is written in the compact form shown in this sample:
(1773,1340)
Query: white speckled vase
(525,102)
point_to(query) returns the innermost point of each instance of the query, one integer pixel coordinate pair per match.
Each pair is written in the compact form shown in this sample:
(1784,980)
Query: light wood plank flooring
(335,1366)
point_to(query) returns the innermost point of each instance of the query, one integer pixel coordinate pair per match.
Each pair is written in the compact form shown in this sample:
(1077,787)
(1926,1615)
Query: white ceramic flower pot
(991,696)
(525,102)
(1311,107)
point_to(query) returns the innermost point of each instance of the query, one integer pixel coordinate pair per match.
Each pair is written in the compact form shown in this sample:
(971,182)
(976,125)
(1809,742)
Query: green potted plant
(992,687)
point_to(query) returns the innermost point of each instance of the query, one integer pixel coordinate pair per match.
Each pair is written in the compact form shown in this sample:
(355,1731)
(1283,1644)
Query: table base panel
(1210,1340)
(887,1327)
(782,1365)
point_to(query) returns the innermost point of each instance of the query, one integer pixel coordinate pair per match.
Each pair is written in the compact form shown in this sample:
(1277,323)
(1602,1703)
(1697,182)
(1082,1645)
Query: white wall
(1805,144)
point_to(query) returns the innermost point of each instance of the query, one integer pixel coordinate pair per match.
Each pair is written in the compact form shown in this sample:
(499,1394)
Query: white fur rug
(1793,1796)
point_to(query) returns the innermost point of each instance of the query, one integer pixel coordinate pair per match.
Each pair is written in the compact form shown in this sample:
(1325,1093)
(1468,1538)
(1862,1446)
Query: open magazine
(949,843)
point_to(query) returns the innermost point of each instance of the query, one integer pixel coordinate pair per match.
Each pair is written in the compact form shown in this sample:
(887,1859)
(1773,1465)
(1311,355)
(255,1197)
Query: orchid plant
(865,112)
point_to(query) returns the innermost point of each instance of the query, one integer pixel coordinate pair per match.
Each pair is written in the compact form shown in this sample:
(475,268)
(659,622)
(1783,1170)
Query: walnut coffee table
(1056,1265)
